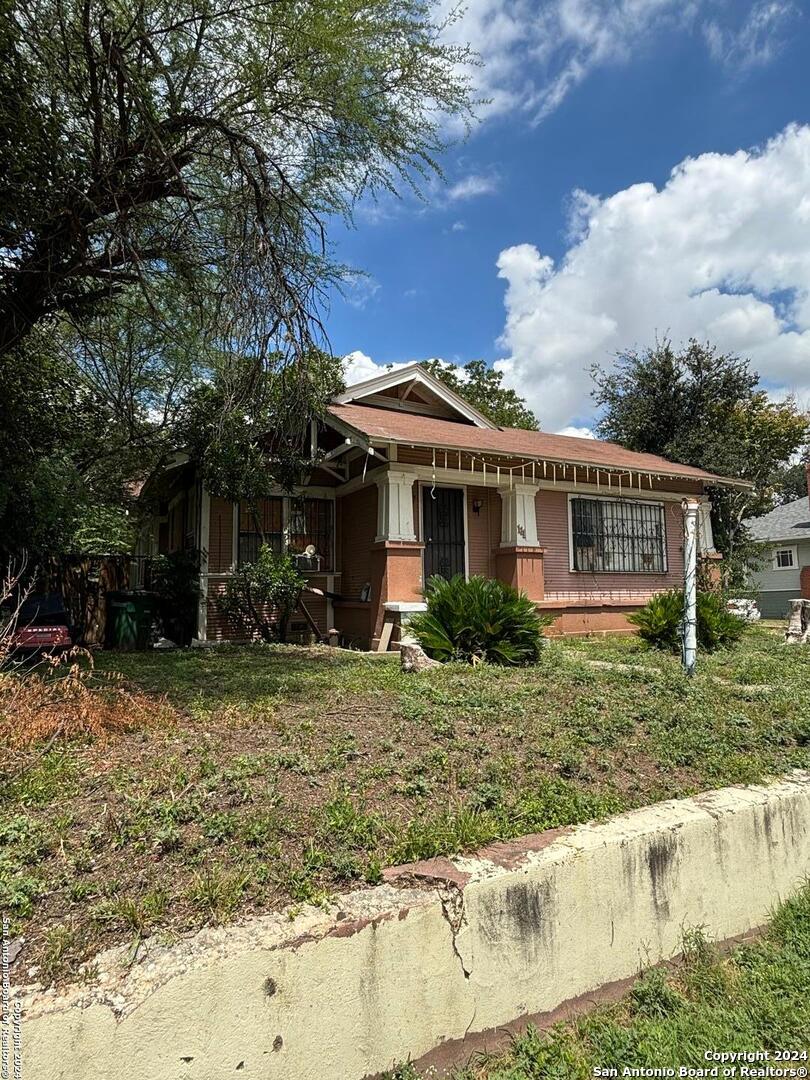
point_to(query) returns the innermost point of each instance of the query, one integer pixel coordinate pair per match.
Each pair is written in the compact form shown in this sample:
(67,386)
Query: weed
(220,826)
(138,914)
(59,942)
(216,892)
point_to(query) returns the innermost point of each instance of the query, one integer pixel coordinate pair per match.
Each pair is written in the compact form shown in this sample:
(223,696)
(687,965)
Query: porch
(479,516)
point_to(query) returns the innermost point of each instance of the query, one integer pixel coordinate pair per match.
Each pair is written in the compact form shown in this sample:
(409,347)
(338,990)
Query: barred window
(311,522)
(265,525)
(612,536)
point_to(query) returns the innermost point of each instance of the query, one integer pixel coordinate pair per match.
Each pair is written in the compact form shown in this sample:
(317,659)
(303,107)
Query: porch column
(705,534)
(708,556)
(518,516)
(396,556)
(395,505)
(519,559)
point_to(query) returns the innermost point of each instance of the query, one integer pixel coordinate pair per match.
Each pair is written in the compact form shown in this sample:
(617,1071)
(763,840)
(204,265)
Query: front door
(443,531)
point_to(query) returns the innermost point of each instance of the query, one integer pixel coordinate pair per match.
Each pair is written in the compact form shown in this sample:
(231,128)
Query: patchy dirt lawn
(281,775)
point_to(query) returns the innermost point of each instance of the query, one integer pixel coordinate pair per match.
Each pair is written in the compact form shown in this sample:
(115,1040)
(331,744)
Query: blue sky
(507,262)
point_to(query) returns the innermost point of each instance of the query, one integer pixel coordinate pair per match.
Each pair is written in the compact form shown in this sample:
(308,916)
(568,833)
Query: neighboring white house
(786,531)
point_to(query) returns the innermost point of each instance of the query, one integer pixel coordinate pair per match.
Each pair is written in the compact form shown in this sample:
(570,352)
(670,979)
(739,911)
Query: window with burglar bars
(611,536)
(266,525)
(311,523)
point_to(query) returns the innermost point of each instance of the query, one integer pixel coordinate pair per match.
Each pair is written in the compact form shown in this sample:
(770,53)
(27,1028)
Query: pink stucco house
(412,481)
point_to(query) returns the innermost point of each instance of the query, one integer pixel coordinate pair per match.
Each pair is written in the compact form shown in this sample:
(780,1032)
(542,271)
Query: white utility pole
(691,508)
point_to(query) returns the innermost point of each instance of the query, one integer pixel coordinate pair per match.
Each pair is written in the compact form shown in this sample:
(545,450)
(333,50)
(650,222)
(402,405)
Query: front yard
(282,775)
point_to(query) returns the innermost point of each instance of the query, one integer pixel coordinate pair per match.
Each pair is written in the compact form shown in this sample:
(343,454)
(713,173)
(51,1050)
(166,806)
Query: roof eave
(780,539)
(706,478)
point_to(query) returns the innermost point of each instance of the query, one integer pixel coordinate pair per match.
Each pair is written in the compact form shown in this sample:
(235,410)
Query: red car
(43,625)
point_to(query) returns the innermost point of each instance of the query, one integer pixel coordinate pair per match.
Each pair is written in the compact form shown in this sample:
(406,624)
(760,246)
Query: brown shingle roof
(415,430)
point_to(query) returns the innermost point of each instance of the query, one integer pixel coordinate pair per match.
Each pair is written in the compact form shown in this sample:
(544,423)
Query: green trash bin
(129,620)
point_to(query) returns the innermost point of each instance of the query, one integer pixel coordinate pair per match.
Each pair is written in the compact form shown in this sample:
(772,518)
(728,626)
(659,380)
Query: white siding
(778,587)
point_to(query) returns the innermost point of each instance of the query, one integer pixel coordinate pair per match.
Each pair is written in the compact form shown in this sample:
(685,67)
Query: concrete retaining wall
(441,949)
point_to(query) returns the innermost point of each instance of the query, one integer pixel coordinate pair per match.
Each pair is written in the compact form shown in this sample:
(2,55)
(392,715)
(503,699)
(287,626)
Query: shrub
(478,619)
(660,621)
(262,596)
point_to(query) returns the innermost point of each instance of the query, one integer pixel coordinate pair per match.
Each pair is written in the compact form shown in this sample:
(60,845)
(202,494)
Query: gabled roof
(391,426)
(413,375)
(789,522)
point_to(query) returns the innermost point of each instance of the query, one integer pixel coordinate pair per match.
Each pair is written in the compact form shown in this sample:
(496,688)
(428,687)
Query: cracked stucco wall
(441,949)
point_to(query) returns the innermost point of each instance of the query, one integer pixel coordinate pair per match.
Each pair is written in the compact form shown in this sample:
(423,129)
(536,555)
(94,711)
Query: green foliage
(483,388)
(791,481)
(216,891)
(262,596)
(294,771)
(167,173)
(64,459)
(238,148)
(704,408)
(660,621)
(248,428)
(478,619)
(103,530)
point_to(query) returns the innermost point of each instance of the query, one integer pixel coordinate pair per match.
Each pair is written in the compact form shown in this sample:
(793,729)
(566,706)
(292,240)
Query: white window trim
(794,554)
(614,499)
(459,487)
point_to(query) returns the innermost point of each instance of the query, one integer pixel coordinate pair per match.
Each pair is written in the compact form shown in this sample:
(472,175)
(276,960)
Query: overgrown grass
(757,998)
(286,775)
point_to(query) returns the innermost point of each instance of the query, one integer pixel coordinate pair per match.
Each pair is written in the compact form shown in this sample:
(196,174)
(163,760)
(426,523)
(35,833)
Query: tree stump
(414,658)
(798,630)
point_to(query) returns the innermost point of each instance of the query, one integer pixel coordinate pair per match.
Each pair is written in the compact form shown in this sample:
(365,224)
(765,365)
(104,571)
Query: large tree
(168,171)
(704,408)
(792,480)
(205,141)
(483,387)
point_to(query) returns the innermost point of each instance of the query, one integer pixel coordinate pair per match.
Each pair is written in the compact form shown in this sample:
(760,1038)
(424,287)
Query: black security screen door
(443,530)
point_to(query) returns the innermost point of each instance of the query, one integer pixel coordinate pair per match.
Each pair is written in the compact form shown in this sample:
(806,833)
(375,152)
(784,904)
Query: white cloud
(358,366)
(535,52)
(458,226)
(358,288)
(721,252)
(757,40)
(470,187)
(577,432)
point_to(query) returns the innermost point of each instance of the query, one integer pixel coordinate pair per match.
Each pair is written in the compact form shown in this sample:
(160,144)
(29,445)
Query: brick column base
(805,580)
(396,574)
(522,568)
(709,576)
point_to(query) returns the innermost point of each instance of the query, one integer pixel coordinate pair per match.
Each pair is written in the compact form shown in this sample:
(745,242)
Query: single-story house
(783,572)
(409,481)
